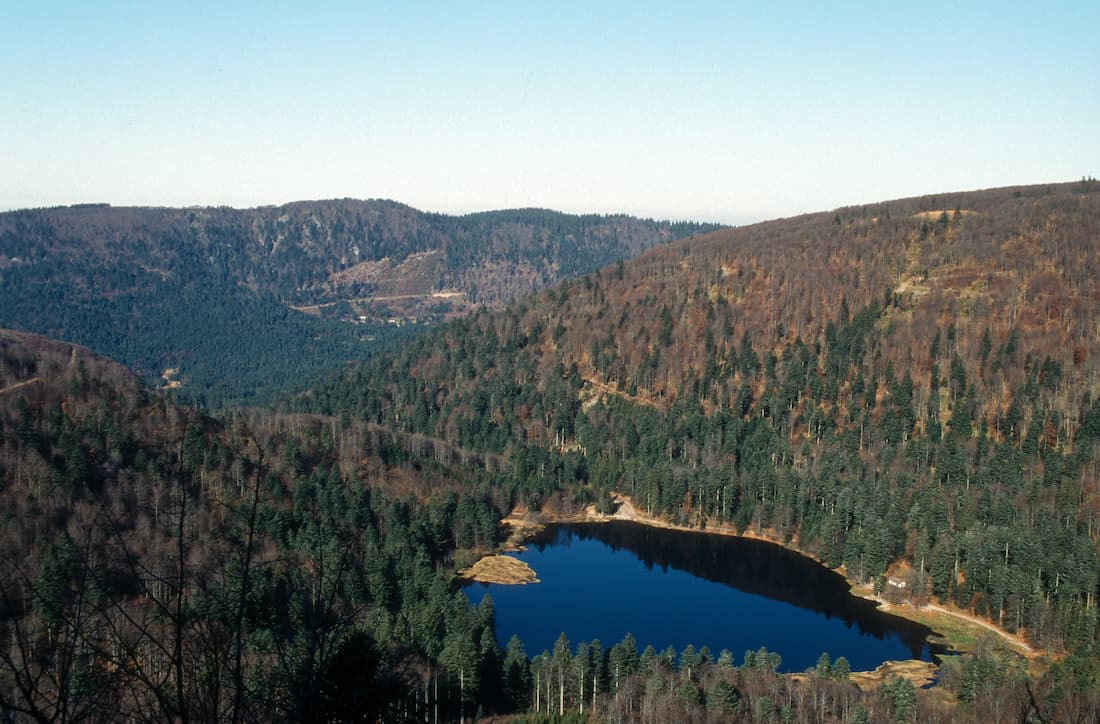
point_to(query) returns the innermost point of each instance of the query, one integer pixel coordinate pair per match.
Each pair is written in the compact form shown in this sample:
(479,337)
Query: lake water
(669,587)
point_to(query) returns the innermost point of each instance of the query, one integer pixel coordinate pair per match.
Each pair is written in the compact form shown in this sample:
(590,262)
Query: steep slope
(230,302)
(158,564)
(907,387)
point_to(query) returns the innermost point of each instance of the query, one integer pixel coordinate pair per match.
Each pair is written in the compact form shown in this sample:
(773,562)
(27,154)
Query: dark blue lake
(669,587)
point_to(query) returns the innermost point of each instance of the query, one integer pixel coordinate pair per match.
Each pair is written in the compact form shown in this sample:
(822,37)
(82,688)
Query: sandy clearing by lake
(500,569)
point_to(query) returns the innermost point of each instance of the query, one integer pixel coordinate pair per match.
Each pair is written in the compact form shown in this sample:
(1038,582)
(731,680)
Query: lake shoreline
(523,526)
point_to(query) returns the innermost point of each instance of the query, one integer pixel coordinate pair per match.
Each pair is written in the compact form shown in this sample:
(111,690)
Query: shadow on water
(754,567)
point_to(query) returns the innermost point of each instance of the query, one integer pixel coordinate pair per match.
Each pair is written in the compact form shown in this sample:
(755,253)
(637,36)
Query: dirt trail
(17,385)
(1010,638)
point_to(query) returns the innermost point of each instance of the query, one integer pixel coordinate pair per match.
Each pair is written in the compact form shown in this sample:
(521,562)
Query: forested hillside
(162,564)
(157,564)
(238,304)
(909,386)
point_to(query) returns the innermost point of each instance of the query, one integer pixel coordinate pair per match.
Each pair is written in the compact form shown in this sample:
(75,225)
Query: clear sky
(726,111)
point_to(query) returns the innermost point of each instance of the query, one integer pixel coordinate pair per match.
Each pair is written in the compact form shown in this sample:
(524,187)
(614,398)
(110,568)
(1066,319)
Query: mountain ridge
(167,288)
(922,281)
(336,233)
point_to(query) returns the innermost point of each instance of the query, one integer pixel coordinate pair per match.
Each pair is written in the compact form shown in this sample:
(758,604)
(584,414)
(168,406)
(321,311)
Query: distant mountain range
(235,304)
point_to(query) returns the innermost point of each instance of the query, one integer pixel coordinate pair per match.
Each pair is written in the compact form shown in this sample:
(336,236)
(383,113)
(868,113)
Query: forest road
(1014,640)
(17,385)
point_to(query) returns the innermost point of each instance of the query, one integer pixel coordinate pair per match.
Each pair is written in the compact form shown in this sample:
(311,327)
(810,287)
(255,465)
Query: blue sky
(726,111)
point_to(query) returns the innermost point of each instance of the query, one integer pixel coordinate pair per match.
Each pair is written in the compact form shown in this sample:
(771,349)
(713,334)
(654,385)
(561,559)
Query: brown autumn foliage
(1009,260)
(1011,269)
